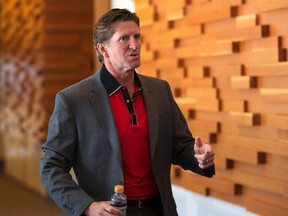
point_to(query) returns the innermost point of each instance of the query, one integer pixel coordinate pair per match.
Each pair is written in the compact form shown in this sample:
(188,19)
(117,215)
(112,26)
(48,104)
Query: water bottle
(119,199)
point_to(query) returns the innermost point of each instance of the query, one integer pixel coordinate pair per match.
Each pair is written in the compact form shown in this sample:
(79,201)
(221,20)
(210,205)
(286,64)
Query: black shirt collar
(111,84)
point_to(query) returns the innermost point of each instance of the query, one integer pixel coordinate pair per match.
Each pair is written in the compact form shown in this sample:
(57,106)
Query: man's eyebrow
(129,34)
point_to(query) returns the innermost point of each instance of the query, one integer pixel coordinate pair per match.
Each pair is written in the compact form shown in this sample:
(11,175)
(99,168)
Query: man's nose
(134,43)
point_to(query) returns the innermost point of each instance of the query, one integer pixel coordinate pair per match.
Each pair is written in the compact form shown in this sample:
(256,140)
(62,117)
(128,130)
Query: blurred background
(226,62)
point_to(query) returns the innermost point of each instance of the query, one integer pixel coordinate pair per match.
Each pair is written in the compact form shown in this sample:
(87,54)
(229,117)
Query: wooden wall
(226,62)
(46,46)
(67,49)
(22,111)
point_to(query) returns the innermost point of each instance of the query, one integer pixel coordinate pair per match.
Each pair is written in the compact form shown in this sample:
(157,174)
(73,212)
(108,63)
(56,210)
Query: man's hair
(104,28)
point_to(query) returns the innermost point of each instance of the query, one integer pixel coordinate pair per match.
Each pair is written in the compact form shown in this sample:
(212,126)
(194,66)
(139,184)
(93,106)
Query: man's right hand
(102,209)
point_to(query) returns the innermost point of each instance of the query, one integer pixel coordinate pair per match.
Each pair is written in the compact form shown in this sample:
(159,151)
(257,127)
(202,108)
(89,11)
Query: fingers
(198,146)
(113,211)
(198,142)
(102,208)
(204,154)
(204,164)
(205,160)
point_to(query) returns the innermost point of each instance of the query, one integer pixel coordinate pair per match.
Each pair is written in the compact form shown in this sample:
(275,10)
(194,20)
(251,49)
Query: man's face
(123,49)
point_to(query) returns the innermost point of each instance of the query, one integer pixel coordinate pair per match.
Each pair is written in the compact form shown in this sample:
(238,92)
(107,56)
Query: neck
(125,78)
(128,81)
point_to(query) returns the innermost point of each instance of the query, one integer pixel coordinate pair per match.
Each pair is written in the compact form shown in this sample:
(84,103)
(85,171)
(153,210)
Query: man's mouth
(135,55)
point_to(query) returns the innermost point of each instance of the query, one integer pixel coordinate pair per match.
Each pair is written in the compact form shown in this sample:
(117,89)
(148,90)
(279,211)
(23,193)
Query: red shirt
(131,120)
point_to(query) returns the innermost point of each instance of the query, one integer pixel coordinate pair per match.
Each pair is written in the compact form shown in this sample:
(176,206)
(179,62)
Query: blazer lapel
(101,105)
(152,114)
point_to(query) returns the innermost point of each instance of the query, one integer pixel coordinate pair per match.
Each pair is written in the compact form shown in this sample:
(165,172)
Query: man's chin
(136,65)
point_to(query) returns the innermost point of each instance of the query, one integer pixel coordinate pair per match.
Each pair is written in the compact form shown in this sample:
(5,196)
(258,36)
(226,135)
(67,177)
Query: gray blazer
(82,134)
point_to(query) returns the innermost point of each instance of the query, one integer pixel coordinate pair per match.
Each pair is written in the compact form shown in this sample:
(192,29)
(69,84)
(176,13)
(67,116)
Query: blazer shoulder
(86,85)
(152,80)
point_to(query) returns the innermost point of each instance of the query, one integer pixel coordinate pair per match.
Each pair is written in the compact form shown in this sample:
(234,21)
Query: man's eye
(137,37)
(125,38)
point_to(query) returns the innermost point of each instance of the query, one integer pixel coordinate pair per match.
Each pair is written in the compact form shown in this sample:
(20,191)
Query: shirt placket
(130,104)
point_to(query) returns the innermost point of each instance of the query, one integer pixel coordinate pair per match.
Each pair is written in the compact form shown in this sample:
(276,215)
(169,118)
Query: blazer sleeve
(58,158)
(183,143)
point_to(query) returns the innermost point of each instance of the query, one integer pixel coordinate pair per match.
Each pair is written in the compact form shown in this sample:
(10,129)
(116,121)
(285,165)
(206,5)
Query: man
(118,126)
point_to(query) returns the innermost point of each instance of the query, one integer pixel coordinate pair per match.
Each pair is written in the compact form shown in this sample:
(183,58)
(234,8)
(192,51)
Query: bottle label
(121,207)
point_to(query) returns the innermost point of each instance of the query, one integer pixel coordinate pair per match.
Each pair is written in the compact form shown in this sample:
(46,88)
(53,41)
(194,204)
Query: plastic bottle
(119,199)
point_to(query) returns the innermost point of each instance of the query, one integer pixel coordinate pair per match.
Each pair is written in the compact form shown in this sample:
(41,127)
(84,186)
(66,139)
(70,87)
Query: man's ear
(101,47)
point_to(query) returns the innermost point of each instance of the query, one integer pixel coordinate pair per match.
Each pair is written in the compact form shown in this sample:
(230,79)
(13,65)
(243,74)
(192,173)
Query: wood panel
(229,60)
(46,45)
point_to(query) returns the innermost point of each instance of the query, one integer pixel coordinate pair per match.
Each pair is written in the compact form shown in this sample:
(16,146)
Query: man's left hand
(204,154)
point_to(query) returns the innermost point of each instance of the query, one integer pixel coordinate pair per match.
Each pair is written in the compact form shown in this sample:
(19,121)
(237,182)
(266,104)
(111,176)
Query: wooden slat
(147,55)
(255,181)
(208,48)
(179,32)
(162,44)
(186,105)
(171,4)
(258,44)
(140,4)
(262,6)
(228,198)
(246,21)
(265,209)
(161,26)
(226,187)
(200,1)
(266,69)
(227,70)
(176,14)
(66,24)
(197,72)
(258,144)
(273,167)
(248,119)
(265,5)
(61,7)
(148,68)
(274,95)
(208,105)
(190,182)
(269,56)
(273,82)
(204,125)
(147,15)
(197,83)
(271,199)
(240,34)
(242,154)
(206,136)
(171,73)
(278,121)
(61,40)
(207,93)
(234,106)
(167,63)
(243,82)
(212,11)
